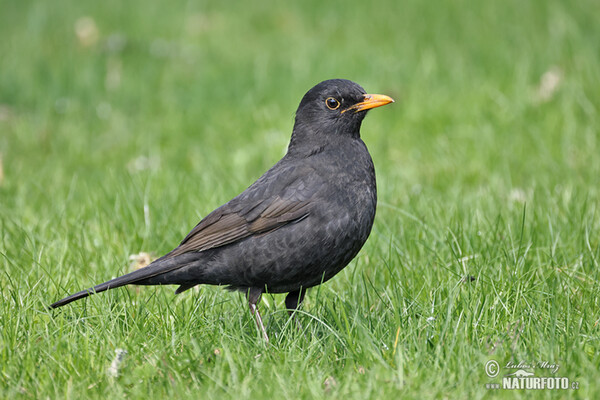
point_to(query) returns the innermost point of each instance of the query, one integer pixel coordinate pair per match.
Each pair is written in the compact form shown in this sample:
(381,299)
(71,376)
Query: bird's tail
(160,266)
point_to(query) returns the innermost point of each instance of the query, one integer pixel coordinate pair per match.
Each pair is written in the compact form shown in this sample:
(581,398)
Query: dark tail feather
(185,287)
(73,297)
(158,267)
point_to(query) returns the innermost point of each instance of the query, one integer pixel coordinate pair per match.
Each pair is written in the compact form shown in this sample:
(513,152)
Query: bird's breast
(350,175)
(350,195)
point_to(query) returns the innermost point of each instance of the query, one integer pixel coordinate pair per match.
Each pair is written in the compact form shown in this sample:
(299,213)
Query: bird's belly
(301,254)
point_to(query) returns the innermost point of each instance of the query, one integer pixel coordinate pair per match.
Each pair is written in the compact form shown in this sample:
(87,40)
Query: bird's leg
(292,302)
(253,296)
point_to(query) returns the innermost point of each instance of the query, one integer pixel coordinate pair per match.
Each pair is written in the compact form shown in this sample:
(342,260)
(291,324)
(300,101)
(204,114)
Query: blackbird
(298,225)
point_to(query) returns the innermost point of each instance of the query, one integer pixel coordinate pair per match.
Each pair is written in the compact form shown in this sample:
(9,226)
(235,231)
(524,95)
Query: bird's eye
(332,103)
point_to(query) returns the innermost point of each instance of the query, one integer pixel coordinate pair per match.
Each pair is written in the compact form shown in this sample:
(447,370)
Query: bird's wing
(253,212)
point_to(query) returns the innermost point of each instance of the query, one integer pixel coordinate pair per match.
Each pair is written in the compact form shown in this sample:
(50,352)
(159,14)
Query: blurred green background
(123,123)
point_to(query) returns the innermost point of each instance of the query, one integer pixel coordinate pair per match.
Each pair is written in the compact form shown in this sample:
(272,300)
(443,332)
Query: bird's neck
(310,139)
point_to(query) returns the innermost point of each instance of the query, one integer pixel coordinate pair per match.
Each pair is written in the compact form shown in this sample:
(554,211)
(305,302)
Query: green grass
(119,142)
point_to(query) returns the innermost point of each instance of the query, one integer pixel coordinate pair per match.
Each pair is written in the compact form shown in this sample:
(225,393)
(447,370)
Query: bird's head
(333,108)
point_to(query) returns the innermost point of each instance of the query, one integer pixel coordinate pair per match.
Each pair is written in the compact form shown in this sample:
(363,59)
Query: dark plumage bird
(295,227)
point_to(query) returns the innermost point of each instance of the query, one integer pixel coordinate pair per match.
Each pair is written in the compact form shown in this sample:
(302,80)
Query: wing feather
(230,227)
(288,199)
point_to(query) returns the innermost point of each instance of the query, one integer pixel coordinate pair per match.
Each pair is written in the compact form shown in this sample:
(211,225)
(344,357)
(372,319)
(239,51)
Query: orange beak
(370,101)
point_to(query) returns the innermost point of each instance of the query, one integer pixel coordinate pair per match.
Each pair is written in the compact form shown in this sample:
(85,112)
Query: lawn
(122,123)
